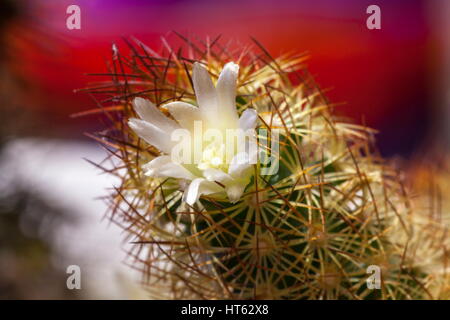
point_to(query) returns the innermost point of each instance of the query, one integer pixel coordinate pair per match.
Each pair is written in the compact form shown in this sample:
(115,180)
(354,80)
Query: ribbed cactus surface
(306,220)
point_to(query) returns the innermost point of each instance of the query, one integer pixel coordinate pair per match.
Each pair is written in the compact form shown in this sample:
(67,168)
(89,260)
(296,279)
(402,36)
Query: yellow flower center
(214,157)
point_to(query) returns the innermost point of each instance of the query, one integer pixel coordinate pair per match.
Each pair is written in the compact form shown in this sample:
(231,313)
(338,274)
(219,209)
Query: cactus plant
(429,241)
(305,225)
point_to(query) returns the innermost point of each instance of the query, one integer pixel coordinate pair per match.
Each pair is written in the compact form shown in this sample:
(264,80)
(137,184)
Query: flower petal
(150,113)
(248,119)
(205,93)
(198,187)
(240,165)
(151,134)
(175,170)
(184,113)
(235,191)
(234,186)
(226,93)
(152,166)
(164,167)
(212,174)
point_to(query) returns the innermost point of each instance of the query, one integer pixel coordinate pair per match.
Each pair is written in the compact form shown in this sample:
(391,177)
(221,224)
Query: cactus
(429,241)
(308,228)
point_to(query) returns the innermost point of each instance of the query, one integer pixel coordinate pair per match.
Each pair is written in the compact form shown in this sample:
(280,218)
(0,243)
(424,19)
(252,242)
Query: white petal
(235,191)
(150,113)
(212,174)
(240,165)
(175,170)
(152,166)
(184,113)
(248,119)
(198,187)
(205,92)
(164,167)
(226,92)
(151,134)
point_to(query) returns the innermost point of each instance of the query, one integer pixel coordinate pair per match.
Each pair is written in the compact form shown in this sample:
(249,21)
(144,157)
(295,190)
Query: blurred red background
(384,77)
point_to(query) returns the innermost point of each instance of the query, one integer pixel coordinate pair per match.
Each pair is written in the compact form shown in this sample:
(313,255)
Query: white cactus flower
(212,172)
